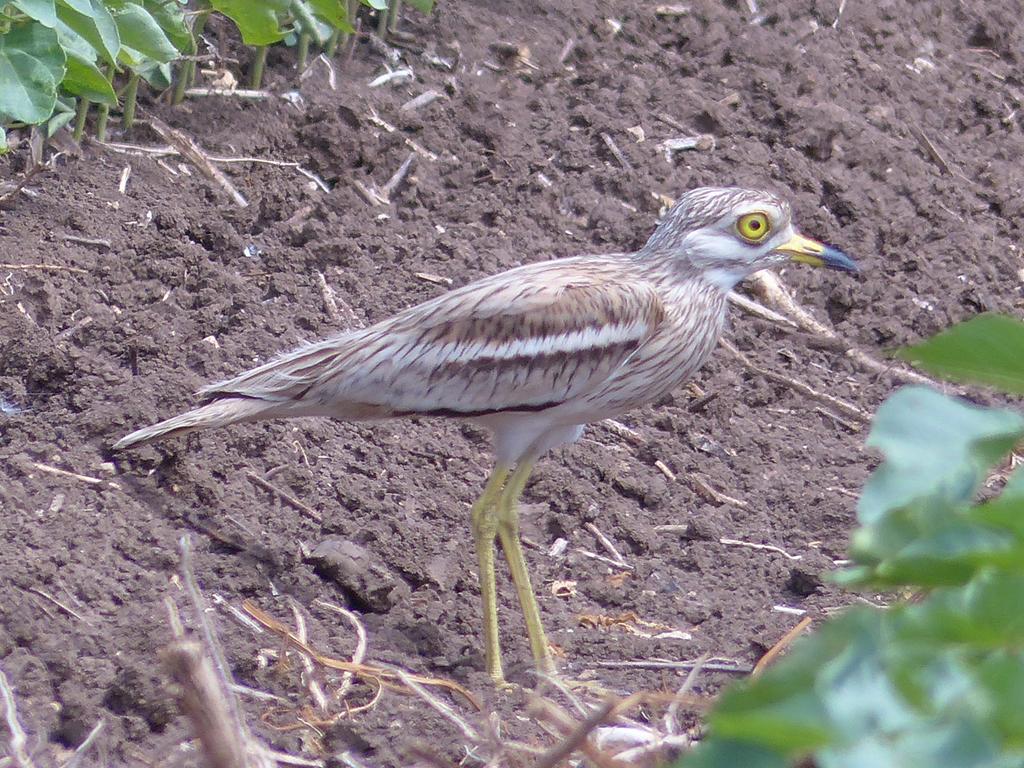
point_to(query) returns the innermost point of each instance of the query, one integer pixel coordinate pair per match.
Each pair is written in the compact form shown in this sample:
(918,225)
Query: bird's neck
(666,270)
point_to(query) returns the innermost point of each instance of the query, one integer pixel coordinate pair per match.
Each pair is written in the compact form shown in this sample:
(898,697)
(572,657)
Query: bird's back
(526,339)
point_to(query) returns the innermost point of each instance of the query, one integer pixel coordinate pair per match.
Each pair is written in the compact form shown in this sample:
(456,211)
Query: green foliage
(89,27)
(32,65)
(91,49)
(258,23)
(43,11)
(939,681)
(987,349)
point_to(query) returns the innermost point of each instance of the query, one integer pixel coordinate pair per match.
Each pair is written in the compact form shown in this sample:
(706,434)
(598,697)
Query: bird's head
(728,233)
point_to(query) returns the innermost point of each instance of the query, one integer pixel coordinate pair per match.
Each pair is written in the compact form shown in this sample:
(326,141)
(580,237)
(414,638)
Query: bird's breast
(695,318)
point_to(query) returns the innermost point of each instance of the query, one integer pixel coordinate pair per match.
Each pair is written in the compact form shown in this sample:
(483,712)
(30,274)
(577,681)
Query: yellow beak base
(804,250)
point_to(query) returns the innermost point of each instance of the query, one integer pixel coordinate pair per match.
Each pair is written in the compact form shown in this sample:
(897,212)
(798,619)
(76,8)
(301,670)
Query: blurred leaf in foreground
(934,682)
(935,447)
(988,349)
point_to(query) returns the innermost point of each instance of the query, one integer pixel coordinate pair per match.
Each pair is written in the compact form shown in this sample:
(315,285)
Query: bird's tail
(219,413)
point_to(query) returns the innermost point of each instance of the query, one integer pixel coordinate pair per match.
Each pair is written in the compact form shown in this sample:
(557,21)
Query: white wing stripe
(572,341)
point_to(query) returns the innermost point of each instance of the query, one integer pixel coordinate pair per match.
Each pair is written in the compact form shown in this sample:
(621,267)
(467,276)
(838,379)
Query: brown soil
(193,289)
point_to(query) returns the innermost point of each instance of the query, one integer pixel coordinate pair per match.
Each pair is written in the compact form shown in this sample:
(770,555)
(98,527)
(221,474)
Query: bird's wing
(527,339)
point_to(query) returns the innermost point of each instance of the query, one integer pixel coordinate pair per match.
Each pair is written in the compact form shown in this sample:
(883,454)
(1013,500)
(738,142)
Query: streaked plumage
(533,353)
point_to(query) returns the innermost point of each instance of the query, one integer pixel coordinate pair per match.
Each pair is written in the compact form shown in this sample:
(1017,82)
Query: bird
(533,354)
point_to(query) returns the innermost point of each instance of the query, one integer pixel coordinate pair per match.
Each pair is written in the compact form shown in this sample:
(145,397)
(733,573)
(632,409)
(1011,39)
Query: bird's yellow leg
(508,533)
(485,528)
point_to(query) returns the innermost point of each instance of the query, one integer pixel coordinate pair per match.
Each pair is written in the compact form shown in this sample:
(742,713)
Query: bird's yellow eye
(753,227)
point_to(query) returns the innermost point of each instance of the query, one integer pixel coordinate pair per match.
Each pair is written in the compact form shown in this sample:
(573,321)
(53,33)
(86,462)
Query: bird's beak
(808,251)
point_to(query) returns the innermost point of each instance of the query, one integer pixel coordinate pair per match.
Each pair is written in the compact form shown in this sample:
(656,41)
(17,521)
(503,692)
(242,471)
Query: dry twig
(59,604)
(930,149)
(626,433)
(771,289)
(192,151)
(93,241)
(761,547)
(44,268)
(9,190)
(703,487)
(17,742)
(85,746)
(616,152)
(807,390)
(424,99)
(359,654)
(751,307)
(238,93)
(327,294)
(711,665)
(606,543)
(383,675)
(780,646)
(578,736)
(202,700)
(204,694)
(72,475)
(398,177)
(286,497)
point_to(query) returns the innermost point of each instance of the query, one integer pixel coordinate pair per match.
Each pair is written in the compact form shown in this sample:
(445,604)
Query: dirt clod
(511,168)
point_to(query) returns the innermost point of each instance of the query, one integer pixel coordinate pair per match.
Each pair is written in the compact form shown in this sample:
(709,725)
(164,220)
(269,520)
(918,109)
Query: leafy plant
(59,57)
(934,681)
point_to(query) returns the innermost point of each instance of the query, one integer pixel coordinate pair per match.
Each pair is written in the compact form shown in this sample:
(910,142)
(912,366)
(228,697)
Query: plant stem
(130,95)
(256,73)
(393,11)
(332,43)
(382,22)
(103,110)
(187,72)
(339,37)
(102,113)
(80,115)
(303,51)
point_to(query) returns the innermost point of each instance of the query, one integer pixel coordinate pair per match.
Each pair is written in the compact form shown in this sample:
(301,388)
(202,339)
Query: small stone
(369,583)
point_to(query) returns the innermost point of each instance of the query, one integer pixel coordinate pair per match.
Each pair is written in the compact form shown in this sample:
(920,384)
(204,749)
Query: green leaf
(4,146)
(981,614)
(952,555)
(58,121)
(423,6)
(989,349)
(258,23)
(305,20)
(170,16)
(31,67)
(935,446)
(83,78)
(42,11)
(94,26)
(140,32)
(718,753)
(1001,677)
(158,75)
(334,12)
(379,5)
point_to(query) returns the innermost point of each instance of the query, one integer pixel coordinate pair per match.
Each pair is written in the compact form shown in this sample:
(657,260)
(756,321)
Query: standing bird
(533,354)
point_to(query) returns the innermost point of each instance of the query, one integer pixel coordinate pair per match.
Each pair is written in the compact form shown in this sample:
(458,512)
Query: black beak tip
(836,259)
